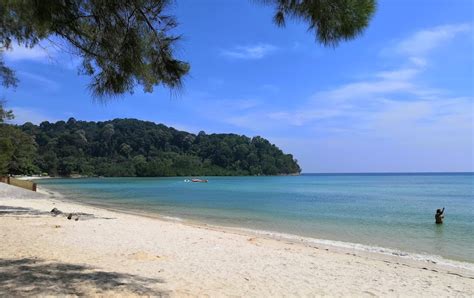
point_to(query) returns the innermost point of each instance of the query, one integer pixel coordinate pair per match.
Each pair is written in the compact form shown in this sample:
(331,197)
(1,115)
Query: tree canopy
(331,21)
(123,44)
(5,114)
(129,147)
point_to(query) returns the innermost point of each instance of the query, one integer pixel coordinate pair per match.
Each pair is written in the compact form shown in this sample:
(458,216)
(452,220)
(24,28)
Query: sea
(387,213)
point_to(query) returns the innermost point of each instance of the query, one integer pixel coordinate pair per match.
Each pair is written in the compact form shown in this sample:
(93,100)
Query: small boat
(199,180)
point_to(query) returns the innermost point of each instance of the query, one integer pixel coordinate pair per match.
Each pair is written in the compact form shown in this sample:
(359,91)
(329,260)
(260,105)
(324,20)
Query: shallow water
(385,210)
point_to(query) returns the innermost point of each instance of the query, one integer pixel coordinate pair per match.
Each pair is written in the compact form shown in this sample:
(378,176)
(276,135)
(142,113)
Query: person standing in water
(439,216)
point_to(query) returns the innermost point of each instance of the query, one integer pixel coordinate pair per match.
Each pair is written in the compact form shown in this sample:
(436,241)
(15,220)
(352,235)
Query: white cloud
(241,104)
(247,121)
(358,101)
(251,52)
(208,103)
(417,61)
(448,117)
(302,117)
(42,81)
(399,74)
(54,52)
(36,53)
(423,41)
(23,115)
(365,89)
(399,135)
(185,127)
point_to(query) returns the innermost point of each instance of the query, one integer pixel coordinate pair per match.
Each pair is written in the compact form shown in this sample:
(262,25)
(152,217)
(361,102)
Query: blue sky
(397,99)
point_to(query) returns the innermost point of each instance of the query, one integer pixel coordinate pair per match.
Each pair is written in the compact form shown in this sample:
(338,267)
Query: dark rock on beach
(56,211)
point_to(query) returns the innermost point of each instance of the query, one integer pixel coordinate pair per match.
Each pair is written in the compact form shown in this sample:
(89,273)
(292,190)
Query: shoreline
(195,260)
(342,246)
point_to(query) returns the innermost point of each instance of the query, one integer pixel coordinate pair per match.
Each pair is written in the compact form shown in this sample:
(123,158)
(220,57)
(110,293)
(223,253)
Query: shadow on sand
(31,277)
(8,210)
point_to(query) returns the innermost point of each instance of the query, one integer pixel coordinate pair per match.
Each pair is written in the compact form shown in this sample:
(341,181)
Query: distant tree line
(130,147)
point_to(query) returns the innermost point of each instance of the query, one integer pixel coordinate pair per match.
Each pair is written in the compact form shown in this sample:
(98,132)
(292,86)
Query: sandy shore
(31,177)
(109,253)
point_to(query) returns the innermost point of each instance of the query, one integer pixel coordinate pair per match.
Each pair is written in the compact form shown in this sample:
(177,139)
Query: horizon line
(422,172)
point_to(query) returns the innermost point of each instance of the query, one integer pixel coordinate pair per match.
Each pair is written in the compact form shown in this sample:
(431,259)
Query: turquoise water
(386,210)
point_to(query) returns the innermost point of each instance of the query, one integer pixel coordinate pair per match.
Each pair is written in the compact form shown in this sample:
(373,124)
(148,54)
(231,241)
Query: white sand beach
(111,253)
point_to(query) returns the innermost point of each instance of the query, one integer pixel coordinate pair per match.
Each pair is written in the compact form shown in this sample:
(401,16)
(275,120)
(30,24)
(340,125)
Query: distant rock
(56,211)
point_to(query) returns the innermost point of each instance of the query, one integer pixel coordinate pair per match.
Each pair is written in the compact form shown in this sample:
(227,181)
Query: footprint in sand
(253,241)
(144,256)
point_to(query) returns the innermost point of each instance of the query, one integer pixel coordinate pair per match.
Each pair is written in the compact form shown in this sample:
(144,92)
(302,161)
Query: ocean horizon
(391,212)
(384,173)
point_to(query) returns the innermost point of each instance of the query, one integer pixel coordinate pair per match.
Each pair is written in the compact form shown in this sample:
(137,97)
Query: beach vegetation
(17,151)
(4,113)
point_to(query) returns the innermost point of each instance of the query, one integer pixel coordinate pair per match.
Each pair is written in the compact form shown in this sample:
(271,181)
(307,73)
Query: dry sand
(113,253)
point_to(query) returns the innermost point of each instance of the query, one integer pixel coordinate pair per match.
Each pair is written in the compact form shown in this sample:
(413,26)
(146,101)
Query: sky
(399,98)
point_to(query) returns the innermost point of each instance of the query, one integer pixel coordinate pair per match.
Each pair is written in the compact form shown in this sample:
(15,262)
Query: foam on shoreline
(349,246)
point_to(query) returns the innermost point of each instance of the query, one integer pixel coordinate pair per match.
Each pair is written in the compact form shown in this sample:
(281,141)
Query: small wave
(172,218)
(434,259)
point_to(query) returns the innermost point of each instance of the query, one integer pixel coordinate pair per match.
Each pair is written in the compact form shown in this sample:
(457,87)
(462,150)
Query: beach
(107,252)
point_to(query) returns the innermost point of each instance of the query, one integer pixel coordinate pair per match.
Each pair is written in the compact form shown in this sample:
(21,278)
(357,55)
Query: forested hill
(130,147)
